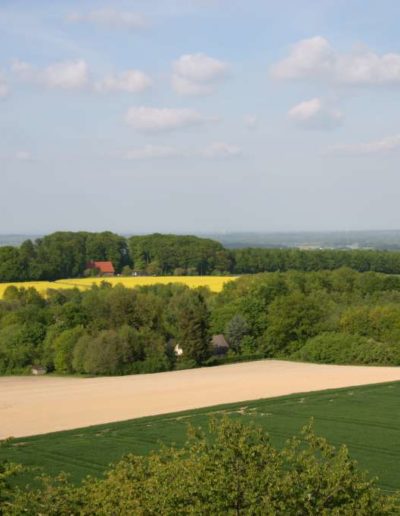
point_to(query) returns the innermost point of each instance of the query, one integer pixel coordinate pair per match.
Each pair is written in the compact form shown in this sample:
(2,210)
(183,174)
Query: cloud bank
(315,58)
(110,18)
(163,119)
(216,150)
(68,75)
(390,143)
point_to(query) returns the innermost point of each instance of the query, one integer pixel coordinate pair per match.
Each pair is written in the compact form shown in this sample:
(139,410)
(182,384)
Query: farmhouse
(38,370)
(219,344)
(104,268)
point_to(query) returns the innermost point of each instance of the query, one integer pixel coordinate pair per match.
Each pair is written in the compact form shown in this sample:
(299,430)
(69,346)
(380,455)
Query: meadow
(365,418)
(214,283)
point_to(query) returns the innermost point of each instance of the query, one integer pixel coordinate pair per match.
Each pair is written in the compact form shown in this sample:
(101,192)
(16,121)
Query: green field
(367,419)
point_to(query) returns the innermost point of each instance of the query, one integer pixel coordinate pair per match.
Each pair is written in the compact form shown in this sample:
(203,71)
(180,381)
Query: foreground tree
(235,470)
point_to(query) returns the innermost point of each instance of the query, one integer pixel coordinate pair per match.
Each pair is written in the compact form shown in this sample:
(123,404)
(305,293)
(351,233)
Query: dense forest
(66,255)
(340,316)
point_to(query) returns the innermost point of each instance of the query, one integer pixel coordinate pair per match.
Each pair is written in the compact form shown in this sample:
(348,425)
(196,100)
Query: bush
(341,348)
(233,359)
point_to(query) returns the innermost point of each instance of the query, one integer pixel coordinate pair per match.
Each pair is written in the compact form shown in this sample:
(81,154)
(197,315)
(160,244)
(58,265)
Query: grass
(215,283)
(366,418)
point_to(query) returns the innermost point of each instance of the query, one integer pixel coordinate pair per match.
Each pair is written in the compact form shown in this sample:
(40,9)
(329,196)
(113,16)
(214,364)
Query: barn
(103,268)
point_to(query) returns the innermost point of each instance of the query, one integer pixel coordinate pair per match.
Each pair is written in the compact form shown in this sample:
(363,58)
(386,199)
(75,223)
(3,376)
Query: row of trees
(66,255)
(337,316)
(235,470)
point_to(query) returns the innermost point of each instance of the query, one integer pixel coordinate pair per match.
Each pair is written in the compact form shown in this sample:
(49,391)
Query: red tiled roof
(104,267)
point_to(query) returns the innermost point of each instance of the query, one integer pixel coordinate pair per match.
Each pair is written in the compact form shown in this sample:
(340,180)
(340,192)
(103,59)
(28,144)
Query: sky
(203,116)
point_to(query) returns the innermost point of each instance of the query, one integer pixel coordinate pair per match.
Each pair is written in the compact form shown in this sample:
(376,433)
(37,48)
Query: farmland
(214,283)
(365,418)
(40,286)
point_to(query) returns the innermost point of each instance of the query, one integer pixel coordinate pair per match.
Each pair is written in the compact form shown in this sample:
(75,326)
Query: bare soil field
(38,405)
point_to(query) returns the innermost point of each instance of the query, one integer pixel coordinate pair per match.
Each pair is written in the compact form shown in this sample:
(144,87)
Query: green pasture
(367,419)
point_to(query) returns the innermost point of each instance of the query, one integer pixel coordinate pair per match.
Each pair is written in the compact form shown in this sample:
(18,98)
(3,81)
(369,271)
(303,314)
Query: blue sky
(199,115)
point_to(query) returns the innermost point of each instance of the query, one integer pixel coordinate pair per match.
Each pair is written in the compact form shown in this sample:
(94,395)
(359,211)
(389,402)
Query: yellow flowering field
(215,283)
(40,286)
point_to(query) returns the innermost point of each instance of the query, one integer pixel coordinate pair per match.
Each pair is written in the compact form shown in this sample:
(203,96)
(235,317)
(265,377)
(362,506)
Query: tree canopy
(66,255)
(232,470)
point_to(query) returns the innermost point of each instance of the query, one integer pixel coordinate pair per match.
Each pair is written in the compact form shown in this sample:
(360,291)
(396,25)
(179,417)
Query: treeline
(236,470)
(253,260)
(341,316)
(66,255)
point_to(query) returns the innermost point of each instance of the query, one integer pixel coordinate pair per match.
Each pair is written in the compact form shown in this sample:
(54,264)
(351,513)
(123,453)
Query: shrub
(341,348)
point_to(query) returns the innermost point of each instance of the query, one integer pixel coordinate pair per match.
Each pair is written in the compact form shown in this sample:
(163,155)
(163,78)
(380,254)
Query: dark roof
(105,267)
(219,341)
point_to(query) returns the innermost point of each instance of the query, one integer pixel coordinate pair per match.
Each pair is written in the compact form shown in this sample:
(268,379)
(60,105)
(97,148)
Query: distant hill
(383,239)
(368,239)
(16,239)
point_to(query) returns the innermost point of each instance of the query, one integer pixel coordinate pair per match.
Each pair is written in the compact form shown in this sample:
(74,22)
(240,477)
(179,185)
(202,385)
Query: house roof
(219,341)
(105,267)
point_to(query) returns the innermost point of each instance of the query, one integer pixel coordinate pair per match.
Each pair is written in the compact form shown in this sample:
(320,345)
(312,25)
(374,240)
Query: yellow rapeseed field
(40,286)
(215,283)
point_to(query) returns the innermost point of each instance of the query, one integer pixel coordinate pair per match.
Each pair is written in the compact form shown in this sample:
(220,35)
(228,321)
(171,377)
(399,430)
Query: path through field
(37,405)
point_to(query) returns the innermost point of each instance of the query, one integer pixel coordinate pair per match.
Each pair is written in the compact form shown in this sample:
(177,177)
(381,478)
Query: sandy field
(37,405)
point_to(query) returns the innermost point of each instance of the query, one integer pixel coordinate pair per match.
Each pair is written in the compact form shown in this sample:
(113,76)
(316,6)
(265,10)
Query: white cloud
(163,119)
(111,18)
(251,121)
(315,114)
(65,75)
(4,89)
(152,152)
(221,150)
(387,144)
(215,150)
(131,81)
(307,58)
(315,58)
(68,74)
(197,74)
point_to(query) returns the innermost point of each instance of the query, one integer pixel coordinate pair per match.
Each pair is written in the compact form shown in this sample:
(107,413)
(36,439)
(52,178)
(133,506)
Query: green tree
(236,329)
(103,354)
(188,319)
(64,345)
(291,319)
